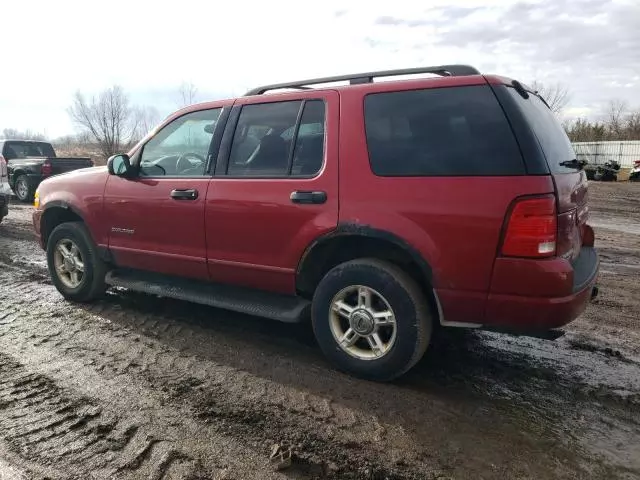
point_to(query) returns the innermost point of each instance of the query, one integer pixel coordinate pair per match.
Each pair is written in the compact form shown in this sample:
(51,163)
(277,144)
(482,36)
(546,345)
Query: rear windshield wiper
(575,163)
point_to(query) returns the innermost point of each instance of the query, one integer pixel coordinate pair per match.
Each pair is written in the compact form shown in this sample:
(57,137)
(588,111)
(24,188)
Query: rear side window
(551,136)
(280,139)
(454,131)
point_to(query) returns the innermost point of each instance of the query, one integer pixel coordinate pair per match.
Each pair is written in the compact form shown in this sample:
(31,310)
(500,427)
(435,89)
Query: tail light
(46,169)
(532,228)
(636,163)
(3,167)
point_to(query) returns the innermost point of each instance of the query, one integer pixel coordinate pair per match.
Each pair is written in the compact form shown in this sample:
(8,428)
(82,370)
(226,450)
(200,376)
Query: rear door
(569,179)
(275,188)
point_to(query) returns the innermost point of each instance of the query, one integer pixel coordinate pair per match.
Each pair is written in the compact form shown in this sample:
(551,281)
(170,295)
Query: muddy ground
(137,387)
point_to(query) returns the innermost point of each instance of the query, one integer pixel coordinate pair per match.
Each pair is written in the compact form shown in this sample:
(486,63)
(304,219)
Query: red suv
(383,209)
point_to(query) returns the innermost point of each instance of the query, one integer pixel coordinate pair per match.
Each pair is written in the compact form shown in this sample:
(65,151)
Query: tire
(22,189)
(413,322)
(91,285)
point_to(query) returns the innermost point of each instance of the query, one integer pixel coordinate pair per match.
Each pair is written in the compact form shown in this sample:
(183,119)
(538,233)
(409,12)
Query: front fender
(81,194)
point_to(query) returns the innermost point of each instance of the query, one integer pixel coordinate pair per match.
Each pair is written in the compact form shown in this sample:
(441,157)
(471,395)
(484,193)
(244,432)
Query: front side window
(181,147)
(454,131)
(279,139)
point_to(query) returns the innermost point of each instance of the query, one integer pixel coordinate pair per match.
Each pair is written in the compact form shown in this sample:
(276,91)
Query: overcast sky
(53,48)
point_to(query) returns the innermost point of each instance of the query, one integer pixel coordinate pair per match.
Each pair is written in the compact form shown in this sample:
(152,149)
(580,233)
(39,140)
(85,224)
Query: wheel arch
(350,241)
(55,213)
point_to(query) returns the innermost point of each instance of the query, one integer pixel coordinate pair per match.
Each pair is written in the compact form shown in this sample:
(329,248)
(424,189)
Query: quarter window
(181,148)
(457,131)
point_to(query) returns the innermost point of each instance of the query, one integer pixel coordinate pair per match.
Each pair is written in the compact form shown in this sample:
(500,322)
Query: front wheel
(371,319)
(75,267)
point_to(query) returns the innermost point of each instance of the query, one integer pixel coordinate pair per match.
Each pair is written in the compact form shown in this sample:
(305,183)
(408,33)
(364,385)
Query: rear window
(13,150)
(552,138)
(453,131)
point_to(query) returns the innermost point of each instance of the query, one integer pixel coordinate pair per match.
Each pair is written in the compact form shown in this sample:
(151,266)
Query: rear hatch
(568,176)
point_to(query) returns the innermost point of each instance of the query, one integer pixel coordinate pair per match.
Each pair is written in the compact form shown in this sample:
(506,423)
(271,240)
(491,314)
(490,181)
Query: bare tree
(188,93)
(616,113)
(556,95)
(632,125)
(108,119)
(145,119)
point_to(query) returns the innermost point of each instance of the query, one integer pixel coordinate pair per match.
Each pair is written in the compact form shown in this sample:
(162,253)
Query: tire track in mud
(55,411)
(148,367)
(64,422)
(42,422)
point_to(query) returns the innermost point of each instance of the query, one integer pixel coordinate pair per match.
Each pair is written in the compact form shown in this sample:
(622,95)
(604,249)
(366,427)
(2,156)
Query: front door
(156,219)
(275,188)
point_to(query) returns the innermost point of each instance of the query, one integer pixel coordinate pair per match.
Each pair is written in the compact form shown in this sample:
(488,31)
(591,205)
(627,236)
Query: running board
(283,308)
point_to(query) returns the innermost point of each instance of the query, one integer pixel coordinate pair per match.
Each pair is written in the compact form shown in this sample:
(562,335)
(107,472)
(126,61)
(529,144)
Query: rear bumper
(543,312)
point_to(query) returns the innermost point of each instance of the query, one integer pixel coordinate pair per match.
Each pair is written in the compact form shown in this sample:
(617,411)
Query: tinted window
(446,131)
(13,150)
(309,147)
(269,142)
(181,147)
(551,136)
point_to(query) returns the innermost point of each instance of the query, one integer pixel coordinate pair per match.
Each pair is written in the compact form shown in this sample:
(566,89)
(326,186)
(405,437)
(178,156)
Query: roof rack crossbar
(359,78)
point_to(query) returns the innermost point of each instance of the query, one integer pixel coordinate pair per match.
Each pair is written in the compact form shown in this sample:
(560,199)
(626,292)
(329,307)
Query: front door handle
(308,197)
(184,194)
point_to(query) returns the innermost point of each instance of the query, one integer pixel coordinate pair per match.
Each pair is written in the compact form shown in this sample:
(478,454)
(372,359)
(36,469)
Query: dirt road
(137,387)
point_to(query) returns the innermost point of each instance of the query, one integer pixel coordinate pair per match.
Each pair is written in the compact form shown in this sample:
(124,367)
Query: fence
(597,153)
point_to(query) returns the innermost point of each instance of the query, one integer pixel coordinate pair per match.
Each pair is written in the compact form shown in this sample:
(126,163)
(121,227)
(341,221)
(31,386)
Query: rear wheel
(371,319)
(22,189)
(75,267)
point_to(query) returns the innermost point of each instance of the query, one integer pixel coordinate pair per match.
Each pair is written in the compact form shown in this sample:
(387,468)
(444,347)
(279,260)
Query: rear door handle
(184,194)
(308,197)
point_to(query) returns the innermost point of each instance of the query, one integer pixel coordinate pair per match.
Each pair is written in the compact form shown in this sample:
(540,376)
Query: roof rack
(359,78)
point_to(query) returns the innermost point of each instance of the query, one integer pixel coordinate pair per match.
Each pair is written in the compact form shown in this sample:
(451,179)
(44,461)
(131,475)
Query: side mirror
(119,165)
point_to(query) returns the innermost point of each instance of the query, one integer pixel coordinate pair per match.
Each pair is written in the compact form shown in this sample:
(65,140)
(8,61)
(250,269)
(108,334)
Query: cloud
(226,48)
(590,45)
(389,20)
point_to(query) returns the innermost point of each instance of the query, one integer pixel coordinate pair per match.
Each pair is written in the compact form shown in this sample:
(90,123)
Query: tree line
(620,123)
(109,123)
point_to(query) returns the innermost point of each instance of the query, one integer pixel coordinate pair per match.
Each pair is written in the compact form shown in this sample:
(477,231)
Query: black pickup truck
(30,162)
